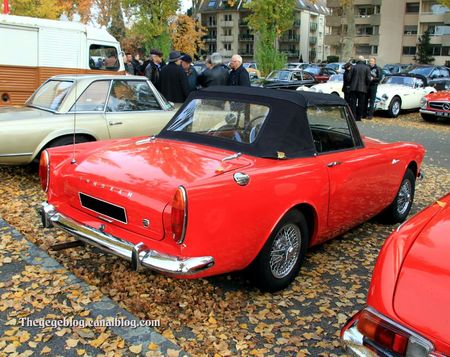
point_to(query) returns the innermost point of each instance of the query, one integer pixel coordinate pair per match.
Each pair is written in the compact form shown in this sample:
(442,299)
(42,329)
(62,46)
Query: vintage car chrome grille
(440,105)
(104,208)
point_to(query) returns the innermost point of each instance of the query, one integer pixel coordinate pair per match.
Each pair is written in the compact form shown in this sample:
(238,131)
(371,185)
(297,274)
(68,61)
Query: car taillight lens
(179,215)
(370,333)
(44,170)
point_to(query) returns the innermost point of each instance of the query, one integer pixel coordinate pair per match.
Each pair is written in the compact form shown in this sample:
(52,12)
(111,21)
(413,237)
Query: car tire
(68,140)
(399,209)
(428,117)
(273,272)
(394,107)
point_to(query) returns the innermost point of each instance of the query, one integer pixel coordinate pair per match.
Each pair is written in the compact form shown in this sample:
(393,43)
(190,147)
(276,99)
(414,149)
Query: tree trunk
(348,46)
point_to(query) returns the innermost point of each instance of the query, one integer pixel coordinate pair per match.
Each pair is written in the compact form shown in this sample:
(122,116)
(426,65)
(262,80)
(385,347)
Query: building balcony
(246,53)
(209,39)
(289,39)
(210,24)
(430,17)
(227,38)
(333,21)
(226,53)
(436,40)
(226,24)
(297,23)
(313,40)
(372,40)
(291,54)
(333,40)
(245,37)
(447,18)
(367,2)
(368,19)
(313,26)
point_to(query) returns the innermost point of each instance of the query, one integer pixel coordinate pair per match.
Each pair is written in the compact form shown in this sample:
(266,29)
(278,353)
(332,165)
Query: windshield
(313,70)
(228,120)
(404,81)
(279,75)
(424,71)
(336,78)
(50,95)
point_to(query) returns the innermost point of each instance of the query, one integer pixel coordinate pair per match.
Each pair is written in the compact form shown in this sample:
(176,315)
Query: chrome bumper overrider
(138,254)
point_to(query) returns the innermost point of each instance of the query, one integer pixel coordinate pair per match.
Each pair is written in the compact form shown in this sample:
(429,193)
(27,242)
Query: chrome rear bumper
(138,254)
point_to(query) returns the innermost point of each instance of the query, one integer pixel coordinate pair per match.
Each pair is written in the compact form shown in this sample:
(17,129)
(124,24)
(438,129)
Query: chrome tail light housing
(179,215)
(44,170)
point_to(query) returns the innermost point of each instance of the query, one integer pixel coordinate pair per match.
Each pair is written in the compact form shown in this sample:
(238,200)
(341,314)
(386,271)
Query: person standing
(154,66)
(191,73)
(347,76)
(173,80)
(359,82)
(375,78)
(137,64)
(127,63)
(238,75)
(217,75)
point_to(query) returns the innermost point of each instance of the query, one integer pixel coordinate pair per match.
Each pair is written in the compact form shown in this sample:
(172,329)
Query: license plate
(442,114)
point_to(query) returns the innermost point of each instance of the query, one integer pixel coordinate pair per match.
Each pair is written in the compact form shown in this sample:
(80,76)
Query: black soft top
(285,130)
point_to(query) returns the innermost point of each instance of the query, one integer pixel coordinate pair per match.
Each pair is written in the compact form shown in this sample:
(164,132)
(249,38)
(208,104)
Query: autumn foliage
(186,34)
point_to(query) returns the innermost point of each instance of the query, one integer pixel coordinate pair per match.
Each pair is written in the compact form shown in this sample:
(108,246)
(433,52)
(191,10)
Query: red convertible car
(408,310)
(239,178)
(435,105)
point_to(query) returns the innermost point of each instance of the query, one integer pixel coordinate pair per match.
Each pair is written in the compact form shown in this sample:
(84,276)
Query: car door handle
(334,163)
(115,123)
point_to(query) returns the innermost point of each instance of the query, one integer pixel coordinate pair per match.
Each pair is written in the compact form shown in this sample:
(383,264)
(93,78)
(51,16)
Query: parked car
(95,107)
(401,92)
(435,105)
(336,66)
(252,69)
(437,76)
(296,66)
(395,68)
(407,311)
(333,86)
(223,186)
(320,74)
(286,79)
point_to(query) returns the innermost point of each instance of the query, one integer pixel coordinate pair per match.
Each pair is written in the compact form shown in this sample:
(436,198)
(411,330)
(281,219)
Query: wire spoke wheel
(285,250)
(404,197)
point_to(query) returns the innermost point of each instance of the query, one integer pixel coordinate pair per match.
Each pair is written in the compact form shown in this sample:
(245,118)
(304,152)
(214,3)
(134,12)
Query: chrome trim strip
(183,232)
(18,154)
(149,258)
(47,160)
(101,213)
(427,111)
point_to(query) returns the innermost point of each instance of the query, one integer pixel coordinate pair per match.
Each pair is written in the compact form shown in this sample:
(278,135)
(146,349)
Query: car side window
(297,76)
(444,72)
(330,128)
(93,99)
(103,58)
(307,77)
(131,95)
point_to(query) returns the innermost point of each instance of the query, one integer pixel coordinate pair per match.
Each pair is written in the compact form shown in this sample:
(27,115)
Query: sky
(185,4)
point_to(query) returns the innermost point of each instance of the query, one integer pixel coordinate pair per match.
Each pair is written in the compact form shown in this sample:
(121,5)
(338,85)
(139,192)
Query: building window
(366,11)
(228,17)
(409,51)
(410,30)
(211,21)
(436,30)
(366,30)
(211,4)
(212,47)
(227,46)
(445,51)
(227,32)
(412,7)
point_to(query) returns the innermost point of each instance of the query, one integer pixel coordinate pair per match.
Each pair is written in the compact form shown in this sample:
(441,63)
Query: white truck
(32,50)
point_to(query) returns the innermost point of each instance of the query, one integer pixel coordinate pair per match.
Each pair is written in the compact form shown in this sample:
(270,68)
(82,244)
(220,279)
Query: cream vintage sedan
(93,107)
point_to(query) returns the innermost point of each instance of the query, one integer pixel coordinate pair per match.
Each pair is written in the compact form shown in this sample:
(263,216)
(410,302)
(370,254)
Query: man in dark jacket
(359,83)
(217,75)
(347,78)
(173,80)
(191,73)
(154,66)
(238,75)
(375,77)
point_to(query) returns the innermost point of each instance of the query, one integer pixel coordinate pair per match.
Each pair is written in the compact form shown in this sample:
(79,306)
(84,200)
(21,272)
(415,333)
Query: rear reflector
(179,215)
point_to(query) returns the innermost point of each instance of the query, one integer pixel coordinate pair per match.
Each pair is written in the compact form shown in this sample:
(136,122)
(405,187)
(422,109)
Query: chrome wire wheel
(404,197)
(396,107)
(285,250)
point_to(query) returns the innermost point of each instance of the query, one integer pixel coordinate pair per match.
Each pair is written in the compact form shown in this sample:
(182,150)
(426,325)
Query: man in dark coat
(347,77)
(375,78)
(238,75)
(154,66)
(173,80)
(217,75)
(191,73)
(359,83)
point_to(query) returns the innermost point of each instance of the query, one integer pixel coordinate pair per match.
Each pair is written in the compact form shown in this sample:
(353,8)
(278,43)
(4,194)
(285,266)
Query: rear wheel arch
(413,167)
(68,138)
(310,215)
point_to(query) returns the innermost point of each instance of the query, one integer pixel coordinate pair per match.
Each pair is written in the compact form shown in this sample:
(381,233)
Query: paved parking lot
(224,314)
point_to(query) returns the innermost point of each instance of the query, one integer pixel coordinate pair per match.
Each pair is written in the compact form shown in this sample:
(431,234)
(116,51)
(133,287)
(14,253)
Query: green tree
(152,21)
(269,19)
(117,25)
(424,53)
(49,9)
(445,2)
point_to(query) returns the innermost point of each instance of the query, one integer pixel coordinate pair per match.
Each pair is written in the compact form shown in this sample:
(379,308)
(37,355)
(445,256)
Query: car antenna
(74,161)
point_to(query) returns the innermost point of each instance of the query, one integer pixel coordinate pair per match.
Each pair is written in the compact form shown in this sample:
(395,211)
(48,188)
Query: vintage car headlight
(179,215)
(423,103)
(369,333)
(44,170)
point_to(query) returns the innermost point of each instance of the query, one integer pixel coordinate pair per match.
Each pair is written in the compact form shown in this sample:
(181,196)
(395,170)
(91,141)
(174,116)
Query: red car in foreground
(408,305)
(435,105)
(239,178)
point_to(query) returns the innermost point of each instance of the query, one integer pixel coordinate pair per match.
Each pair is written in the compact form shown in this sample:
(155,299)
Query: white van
(32,50)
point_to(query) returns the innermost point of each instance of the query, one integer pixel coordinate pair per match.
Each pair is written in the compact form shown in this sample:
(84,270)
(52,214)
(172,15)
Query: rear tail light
(179,215)
(376,334)
(44,170)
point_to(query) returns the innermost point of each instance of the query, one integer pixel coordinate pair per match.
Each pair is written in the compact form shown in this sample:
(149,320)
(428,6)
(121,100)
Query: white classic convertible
(333,86)
(396,93)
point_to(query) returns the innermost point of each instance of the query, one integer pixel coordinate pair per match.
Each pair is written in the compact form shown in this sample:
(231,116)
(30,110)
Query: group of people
(176,79)
(360,86)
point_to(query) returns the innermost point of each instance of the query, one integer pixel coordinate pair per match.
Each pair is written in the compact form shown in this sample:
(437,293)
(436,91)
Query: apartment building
(228,32)
(390,29)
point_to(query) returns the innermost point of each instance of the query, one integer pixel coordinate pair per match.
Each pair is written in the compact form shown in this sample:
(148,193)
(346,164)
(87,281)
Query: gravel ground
(224,315)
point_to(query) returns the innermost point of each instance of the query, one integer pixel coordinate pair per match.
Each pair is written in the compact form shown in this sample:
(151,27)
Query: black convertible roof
(285,130)
(302,98)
